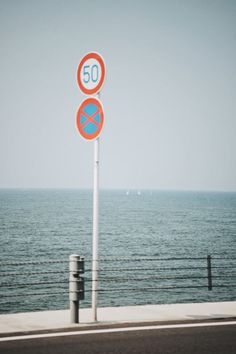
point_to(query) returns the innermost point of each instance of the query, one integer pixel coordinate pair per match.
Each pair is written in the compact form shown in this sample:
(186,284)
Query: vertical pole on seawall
(209,275)
(95,229)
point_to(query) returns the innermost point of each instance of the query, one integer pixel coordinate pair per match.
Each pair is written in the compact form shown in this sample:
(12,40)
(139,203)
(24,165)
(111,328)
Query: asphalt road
(201,340)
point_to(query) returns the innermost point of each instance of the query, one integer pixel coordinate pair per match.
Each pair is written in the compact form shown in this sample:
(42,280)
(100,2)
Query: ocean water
(152,247)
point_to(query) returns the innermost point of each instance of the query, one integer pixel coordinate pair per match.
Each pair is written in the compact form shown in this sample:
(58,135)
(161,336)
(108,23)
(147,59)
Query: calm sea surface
(138,230)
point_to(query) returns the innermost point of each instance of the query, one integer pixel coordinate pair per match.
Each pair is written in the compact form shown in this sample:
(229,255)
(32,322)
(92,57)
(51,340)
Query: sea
(153,247)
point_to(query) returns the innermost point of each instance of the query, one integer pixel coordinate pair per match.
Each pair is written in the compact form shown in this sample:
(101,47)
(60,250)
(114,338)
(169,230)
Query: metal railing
(121,276)
(161,270)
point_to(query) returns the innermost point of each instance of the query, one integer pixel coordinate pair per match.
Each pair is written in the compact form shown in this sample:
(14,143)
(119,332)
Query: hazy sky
(169,96)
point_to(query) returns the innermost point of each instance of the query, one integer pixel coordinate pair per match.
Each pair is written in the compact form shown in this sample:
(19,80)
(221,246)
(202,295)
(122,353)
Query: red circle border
(96,89)
(97,102)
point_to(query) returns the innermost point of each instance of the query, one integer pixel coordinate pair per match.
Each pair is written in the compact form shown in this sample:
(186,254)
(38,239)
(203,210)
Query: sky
(169,95)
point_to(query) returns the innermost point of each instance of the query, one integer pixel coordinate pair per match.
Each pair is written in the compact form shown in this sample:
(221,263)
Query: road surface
(220,339)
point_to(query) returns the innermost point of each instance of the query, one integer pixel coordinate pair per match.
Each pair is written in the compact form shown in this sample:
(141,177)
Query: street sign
(90,117)
(91,73)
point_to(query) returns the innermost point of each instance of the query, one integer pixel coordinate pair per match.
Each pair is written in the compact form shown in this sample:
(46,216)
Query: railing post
(76,285)
(209,274)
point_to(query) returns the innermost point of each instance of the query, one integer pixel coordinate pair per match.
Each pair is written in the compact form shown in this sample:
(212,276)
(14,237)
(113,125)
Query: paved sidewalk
(48,320)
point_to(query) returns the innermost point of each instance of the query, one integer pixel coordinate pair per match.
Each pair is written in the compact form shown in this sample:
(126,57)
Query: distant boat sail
(128,192)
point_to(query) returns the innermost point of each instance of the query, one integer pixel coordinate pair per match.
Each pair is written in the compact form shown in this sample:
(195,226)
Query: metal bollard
(209,275)
(76,285)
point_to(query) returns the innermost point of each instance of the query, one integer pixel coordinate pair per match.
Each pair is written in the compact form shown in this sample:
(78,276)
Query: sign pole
(95,227)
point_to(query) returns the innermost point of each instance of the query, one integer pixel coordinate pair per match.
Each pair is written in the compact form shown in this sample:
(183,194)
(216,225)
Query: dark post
(209,275)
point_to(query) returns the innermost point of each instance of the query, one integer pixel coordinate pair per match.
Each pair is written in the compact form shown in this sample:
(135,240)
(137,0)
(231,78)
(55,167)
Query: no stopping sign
(90,118)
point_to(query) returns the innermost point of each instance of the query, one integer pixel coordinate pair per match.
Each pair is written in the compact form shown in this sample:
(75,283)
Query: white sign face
(91,73)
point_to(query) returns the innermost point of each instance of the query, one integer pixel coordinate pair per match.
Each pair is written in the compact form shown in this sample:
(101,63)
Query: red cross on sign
(90,117)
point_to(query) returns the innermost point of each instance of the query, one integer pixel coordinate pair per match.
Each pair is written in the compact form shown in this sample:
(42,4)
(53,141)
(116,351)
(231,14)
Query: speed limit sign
(91,73)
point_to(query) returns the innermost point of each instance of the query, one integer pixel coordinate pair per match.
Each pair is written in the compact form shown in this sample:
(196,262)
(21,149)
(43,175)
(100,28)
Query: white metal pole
(95,229)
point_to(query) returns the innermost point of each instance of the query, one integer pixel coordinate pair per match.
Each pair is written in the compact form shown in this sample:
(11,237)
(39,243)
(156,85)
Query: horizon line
(123,189)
